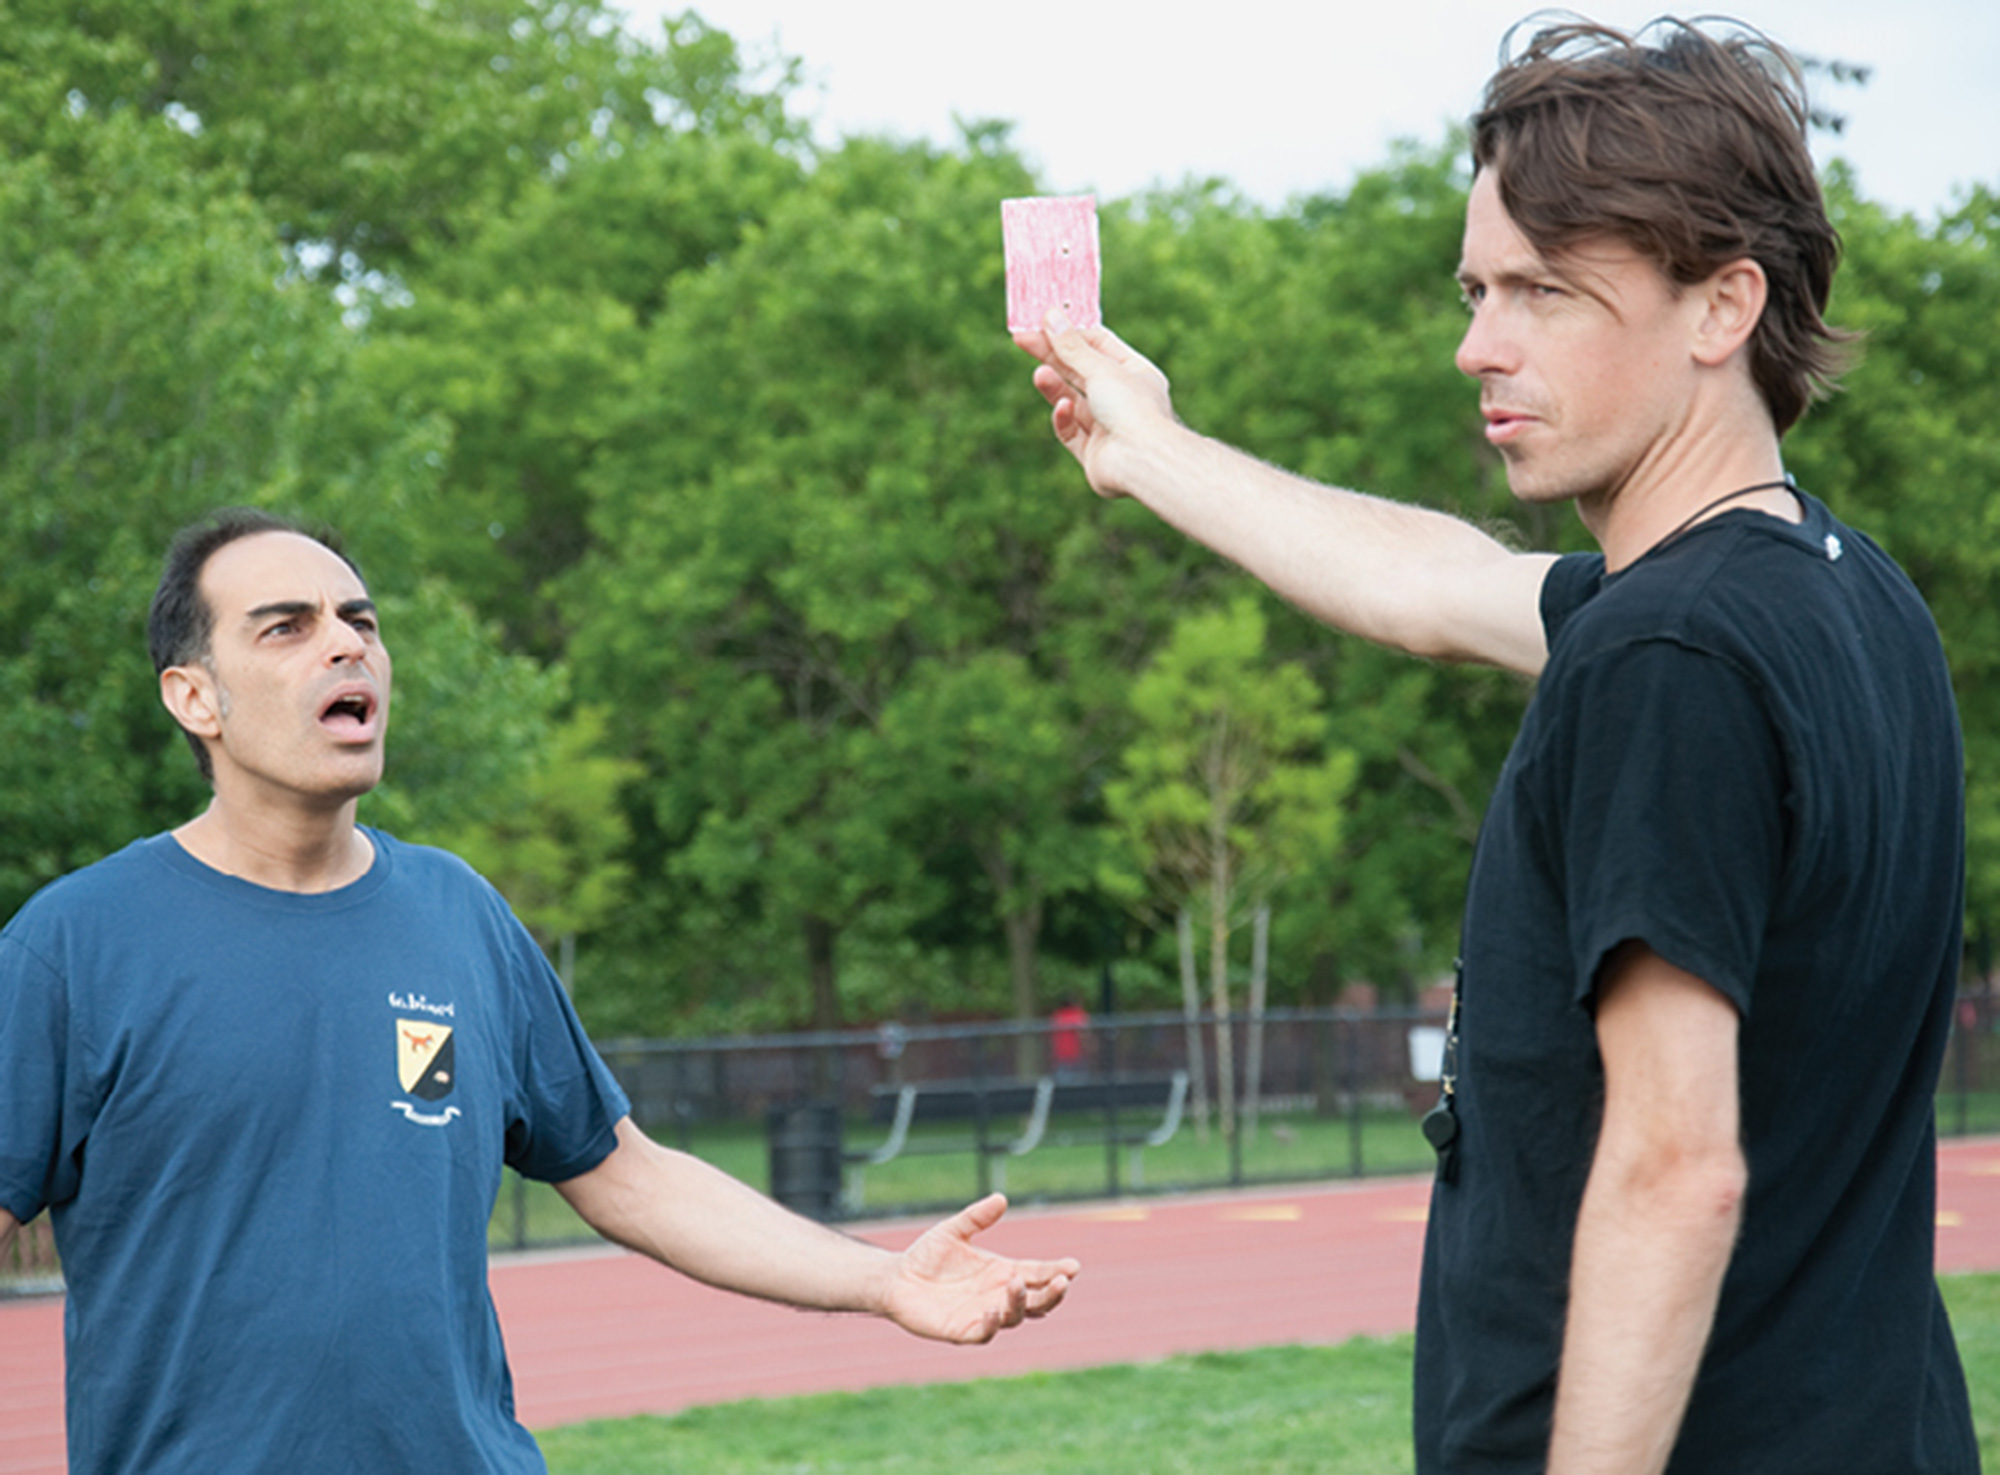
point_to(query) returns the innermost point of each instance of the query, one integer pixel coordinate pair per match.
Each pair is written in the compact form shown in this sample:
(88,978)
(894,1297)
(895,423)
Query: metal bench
(1036,1102)
(1168,1094)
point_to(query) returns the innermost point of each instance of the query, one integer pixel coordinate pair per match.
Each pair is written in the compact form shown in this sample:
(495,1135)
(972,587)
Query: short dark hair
(1690,148)
(180,626)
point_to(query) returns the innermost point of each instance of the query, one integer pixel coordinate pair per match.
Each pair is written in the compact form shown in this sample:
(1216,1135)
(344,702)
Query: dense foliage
(751,630)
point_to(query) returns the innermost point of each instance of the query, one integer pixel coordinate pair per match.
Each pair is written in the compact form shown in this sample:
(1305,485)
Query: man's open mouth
(349,711)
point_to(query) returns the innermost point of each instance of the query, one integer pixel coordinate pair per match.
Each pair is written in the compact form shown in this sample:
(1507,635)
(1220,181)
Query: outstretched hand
(946,1288)
(1104,394)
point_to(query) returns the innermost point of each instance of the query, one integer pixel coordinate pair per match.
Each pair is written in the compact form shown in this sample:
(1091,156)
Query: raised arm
(1402,576)
(680,1211)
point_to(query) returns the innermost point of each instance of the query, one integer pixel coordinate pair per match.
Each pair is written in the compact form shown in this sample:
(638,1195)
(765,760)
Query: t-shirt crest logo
(424,1058)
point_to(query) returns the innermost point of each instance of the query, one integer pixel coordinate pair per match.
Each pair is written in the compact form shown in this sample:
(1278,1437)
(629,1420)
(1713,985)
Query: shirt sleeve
(34,1046)
(1567,587)
(571,1104)
(1672,813)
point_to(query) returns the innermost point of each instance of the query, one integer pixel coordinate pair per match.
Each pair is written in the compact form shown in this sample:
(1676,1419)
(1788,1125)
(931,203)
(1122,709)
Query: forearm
(1392,572)
(705,1224)
(9,1225)
(1653,1241)
(682,1212)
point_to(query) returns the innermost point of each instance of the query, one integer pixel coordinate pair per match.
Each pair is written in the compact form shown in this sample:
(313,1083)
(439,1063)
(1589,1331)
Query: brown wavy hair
(1689,147)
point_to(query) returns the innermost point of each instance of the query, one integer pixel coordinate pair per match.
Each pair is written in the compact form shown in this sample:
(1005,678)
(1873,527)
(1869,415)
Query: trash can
(805,1158)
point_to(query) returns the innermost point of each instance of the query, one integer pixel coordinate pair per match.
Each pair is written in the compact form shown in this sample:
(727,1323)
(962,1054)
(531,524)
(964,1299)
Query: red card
(1052,260)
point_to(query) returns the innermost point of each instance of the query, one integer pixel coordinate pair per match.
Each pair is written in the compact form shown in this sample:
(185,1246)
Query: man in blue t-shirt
(265,1070)
(1683,1216)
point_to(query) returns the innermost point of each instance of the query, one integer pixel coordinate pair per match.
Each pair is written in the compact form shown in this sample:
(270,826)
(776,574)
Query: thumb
(979,1217)
(1079,354)
(1080,349)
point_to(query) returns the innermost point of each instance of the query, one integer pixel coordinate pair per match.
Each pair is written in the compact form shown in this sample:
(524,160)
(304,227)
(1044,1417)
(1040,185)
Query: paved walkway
(600,1333)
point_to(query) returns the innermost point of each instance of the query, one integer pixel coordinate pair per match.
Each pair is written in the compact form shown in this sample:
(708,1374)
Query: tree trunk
(1191,1013)
(820,937)
(1024,930)
(1219,880)
(1022,922)
(1253,1066)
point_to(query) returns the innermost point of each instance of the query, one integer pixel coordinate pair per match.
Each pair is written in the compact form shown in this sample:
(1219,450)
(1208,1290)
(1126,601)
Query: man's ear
(189,694)
(1732,303)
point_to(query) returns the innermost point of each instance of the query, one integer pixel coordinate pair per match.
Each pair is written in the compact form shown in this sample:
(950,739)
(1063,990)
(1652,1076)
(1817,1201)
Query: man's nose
(1485,348)
(345,644)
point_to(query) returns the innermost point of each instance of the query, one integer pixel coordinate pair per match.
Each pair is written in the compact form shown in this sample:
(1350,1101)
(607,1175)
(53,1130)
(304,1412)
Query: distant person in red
(1066,1037)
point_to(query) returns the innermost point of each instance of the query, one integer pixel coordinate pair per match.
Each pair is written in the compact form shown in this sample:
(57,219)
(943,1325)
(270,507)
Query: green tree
(987,757)
(1909,452)
(157,360)
(527,338)
(449,161)
(148,367)
(1350,301)
(829,517)
(1230,789)
(369,127)
(556,852)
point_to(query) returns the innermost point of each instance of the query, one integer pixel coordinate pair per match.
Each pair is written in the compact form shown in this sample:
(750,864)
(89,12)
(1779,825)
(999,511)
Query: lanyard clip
(1440,1123)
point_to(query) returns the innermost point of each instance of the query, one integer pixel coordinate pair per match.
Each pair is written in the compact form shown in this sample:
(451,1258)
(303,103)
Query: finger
(1043,1299)
(1072,410)
(1041,1272)
(1016,1307)
(1072,421)
(1050,382)
(977,1218)
(1074,427)
(1082,348)
(986,1323)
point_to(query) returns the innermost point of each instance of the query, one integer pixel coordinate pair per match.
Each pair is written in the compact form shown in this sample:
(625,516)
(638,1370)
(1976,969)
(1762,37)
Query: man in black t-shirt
(1684,1215)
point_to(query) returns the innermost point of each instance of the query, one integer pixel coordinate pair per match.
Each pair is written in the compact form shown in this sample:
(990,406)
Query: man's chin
(1531,489)
(358,779)
(1523,480)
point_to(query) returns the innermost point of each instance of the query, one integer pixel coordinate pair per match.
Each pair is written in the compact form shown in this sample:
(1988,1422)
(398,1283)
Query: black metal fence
(29,1266)
(1316,1094)
(1312,1093)
(1304,1060)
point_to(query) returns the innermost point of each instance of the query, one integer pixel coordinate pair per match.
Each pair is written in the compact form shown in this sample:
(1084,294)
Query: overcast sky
(1114,95)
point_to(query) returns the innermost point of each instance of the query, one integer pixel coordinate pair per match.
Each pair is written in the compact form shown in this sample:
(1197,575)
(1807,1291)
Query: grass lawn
(1277,1410)
(1333,1410)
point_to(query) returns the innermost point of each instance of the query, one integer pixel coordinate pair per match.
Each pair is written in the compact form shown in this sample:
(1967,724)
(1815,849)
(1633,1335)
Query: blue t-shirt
(270,1129)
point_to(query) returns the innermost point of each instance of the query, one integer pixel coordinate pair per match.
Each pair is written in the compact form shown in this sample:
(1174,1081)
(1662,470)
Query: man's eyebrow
(292,608)
(286,607)
(1509,275)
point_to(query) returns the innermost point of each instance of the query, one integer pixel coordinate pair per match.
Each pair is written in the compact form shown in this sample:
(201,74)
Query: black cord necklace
(1763,486)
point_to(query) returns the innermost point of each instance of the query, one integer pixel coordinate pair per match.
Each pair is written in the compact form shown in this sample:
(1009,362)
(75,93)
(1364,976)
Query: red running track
(601,1333)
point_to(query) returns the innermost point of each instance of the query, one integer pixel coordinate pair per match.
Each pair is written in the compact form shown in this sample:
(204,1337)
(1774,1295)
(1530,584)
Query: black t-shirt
(1743,752)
